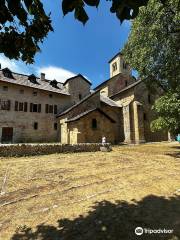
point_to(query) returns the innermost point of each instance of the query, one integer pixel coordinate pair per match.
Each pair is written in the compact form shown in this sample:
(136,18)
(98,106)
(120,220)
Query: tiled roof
(89,111)
(79,75)
(108,101)
(22,80)
(125,89)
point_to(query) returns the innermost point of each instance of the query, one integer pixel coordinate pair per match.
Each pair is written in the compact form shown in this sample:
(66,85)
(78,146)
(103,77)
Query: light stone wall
(77,86)
(116,114)
(105,91)
(119,61)
(116,84)
(23,122)
(83,132)
(136,108)
(141,94)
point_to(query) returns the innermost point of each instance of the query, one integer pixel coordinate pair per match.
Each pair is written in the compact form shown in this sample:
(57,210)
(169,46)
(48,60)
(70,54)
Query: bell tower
(118,65)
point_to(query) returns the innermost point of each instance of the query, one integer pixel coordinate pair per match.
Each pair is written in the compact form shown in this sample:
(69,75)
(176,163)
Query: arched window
(94,123)
(114,66)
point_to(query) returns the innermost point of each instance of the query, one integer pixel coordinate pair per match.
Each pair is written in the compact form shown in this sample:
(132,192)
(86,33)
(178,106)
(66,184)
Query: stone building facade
(38,110)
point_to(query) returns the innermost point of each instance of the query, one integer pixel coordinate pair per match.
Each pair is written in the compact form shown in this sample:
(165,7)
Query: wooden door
(7,135)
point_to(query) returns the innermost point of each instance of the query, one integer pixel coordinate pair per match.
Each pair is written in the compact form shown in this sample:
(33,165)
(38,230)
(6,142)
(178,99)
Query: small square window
(35,125)
(5,88)
(21,91)
(33,107)
(50,95)
(34,93)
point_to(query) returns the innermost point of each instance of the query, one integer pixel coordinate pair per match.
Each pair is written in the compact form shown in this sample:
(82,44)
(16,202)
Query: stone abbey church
(39,110)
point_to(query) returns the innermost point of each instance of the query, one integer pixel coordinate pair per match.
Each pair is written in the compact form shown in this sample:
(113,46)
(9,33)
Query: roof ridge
(126,88)
(27,75)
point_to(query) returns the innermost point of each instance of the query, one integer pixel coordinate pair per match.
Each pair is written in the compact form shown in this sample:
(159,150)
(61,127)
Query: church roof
(119,53)
(79,75)
(108,101)
(77,104)
(79,116)
(23,80)
(126,88)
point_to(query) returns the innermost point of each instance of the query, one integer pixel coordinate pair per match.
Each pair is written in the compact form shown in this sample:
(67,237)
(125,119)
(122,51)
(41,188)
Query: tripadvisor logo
(139,231)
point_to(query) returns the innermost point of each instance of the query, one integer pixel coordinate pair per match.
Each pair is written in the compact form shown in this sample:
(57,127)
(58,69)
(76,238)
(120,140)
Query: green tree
(168,110)
(153,49)
(153,46)
(24,23)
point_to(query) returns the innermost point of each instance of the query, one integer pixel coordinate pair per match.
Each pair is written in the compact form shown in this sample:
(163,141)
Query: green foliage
(153,46)
(153,49)
(23,25)
(168,110)
(127,9)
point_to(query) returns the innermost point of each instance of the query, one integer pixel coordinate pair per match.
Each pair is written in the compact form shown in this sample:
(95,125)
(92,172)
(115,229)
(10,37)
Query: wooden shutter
(31,107)
(21,106)
(39,108)
(8,105)
(16,105)
(50,108)
(55,109)
(47,108)
(25,107)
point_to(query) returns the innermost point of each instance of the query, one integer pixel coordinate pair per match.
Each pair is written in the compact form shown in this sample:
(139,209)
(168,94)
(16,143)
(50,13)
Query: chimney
(43,76)
(0,66)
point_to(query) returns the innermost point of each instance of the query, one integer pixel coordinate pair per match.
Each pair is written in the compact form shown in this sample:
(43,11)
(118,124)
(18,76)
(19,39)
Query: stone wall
(147,99)
(116,83)
(82,131)
(120,69)
(78,89)
(42,149)
(23,122)
(92,102)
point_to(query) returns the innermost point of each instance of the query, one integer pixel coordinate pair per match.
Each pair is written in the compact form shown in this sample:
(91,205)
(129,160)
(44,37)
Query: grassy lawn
(92,196)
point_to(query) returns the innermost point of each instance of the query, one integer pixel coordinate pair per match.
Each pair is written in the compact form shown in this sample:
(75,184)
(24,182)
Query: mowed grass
(91,195)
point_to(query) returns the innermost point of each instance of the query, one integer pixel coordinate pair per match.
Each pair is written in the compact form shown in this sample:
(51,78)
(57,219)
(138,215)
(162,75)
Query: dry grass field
(92,196)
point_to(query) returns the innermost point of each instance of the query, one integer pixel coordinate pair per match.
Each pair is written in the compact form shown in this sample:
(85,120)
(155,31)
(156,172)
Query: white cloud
(52,72)
(13,65)
(58,73)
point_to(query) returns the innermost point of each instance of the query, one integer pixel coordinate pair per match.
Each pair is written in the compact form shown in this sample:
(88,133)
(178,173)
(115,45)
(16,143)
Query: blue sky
(73,48)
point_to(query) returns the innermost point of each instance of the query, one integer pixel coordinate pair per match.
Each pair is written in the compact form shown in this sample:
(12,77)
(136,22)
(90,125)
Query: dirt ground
(92,196)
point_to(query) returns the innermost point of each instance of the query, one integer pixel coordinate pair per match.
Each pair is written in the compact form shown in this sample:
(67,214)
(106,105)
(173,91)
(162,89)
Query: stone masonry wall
(42,149)
(82,130)
(23,122)
(78,89)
